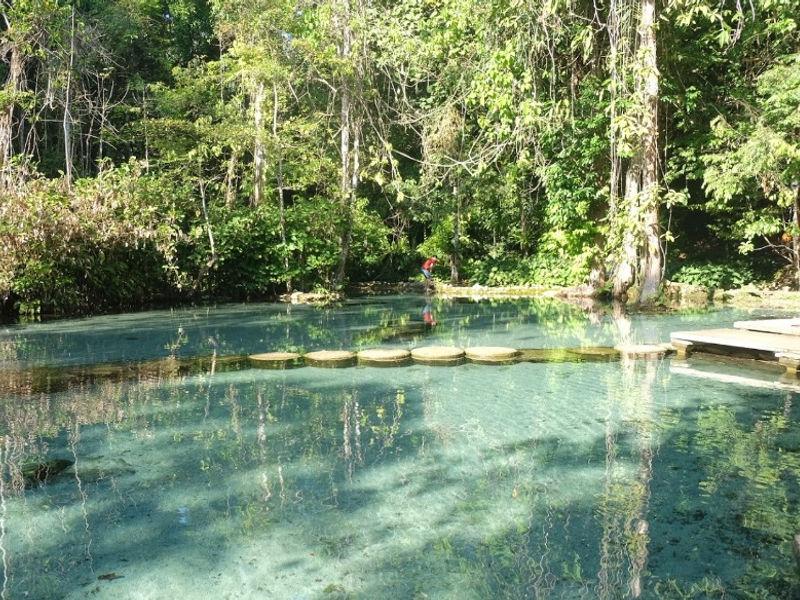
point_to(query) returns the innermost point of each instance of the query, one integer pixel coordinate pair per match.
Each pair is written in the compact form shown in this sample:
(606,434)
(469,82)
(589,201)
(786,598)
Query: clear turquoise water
(211,479)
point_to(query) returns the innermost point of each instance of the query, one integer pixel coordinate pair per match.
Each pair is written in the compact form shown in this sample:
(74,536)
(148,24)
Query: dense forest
(155,150)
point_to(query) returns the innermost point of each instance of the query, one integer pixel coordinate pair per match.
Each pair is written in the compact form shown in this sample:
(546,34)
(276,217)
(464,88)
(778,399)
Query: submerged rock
(595,353)
(92,470)
(318,298)
(43,471)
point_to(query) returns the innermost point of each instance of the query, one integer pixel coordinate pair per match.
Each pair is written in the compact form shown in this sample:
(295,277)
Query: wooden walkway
(772,340)
(739,338)
(782,326)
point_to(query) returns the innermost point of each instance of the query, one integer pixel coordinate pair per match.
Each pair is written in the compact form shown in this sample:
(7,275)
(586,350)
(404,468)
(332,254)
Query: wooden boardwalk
(772,340)
(739,338)
(782,326)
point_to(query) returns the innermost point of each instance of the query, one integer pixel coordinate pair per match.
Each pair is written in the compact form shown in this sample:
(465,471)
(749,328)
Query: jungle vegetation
(169,150)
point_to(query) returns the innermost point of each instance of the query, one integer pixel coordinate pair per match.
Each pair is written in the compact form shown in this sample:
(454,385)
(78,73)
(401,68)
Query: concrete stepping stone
(492,354)
(331,358)
(384,357)
(546,355)
(596,353)
(644,350)
(438,355)
(277,360)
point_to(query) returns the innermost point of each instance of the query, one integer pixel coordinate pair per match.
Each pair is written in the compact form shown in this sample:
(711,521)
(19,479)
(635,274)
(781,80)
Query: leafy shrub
(99,245)
(733,274)
(531,270)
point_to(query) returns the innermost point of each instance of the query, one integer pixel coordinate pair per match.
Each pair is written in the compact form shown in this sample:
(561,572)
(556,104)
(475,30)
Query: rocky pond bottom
(618,479)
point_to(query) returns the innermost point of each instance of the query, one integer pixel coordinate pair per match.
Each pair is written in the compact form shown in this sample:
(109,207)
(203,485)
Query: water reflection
(570,480)
(427,315)
(246,329)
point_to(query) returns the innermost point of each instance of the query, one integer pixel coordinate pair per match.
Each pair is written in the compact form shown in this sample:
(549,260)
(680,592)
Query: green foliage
(541,269)
(755,166)
(101,245)
(728,275)
(489,119)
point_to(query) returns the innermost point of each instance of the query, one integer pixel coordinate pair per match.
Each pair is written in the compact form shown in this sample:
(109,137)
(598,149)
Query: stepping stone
(331,358)
(384,357)
(438,355)
(547,355)
(790,360)
(595,353)
(643,350)
(277,360)
(492,354)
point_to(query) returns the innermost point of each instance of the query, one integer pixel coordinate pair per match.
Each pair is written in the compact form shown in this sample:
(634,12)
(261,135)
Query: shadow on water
(609,480)
(561,540)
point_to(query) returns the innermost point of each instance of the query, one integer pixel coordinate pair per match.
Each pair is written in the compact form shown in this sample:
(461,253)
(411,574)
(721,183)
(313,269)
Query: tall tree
(639,257)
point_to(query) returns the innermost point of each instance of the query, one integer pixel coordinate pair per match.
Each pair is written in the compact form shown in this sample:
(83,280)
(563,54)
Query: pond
(142,459)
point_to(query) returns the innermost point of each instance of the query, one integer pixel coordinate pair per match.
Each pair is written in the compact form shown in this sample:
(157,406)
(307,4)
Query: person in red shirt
(427,267)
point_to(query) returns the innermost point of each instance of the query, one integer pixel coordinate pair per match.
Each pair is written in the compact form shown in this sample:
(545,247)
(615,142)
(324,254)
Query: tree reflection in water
(580,480)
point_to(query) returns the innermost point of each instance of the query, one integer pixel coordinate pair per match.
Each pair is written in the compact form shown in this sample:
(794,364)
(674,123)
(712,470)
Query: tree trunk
(279,178)
(345,189)
(523,226)
(67,121)
(230,181)
(796,236)
(347,176)
(641,262)
(14,84)
(455,257)
(212,247)
(259,153)
(625,274)
(144,123)
(652,255)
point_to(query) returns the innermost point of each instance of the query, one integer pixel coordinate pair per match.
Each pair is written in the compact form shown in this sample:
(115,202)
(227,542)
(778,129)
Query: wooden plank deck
(741,339)
(768,340)
(781,326)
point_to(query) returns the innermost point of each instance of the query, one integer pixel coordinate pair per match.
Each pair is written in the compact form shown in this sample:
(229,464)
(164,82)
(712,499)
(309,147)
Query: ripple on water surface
(559,479)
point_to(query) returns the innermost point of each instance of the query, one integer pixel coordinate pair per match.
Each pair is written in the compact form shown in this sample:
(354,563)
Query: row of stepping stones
(448,355)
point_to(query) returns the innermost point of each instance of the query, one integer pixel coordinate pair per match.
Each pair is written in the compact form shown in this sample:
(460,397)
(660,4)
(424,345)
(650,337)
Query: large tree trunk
(640,266)
(259,152)
(652,255)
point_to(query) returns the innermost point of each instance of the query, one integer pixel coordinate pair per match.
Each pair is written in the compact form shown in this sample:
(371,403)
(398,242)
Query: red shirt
(428,264)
